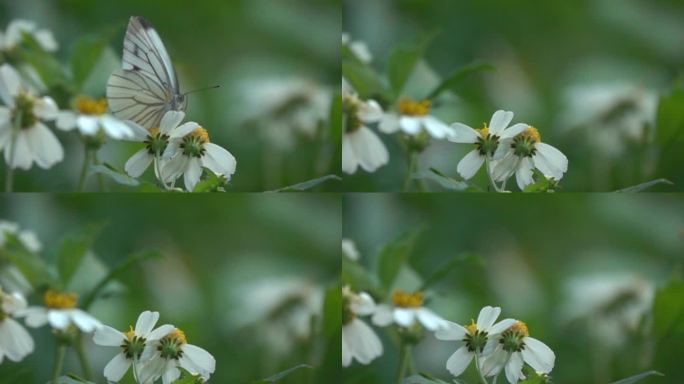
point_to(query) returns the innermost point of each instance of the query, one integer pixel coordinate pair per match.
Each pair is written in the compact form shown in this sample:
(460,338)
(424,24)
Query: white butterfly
(147,87)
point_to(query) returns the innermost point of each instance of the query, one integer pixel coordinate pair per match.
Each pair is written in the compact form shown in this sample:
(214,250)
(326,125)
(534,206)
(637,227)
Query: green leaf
(423,378)
(670,119)
(542,184)
(638,377)
(306,185)
(393,256)
(404,58)
(86,53)
(114,174)
(358,277)
(33,267)
(188,378)
(444,270)
(644,186)
(72,379)
(117,271)
(443,180)
(332,311)
(365,80)
(336,117)
(668,309)
(279,376)
(47,66)
(453,80)
(73,249)
(212,182)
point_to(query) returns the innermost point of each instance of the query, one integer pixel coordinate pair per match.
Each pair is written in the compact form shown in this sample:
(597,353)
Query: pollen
(89,106)
(154,131)
(520,328)
(201,134)
(484,131)
(533,134)
(54,299)
(130,334)
(472,327)
(407,300)
(178,335)
(414,108)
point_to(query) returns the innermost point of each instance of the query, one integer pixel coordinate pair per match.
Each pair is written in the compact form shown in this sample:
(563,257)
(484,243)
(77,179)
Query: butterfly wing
(147,86)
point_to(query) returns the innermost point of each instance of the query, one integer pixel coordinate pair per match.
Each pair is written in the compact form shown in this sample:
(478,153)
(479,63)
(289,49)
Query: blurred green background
(580,270)
(588,74)
(277,63)
(243,276)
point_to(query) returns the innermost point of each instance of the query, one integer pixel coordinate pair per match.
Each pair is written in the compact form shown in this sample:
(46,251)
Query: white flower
(414,118)
(190,153)
(60,312)
(28,238)
(526,153)
(33,141)
(135,344)
(15,341)
(360,145)
(407,309)
(172,351)
(359,342)
(514,347)
(488,141)
(90,117)
(349,249)
(476,338)
(358,48)
(15,33)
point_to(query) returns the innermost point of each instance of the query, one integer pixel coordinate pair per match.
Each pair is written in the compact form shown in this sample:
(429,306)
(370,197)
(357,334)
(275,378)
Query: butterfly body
(147,85)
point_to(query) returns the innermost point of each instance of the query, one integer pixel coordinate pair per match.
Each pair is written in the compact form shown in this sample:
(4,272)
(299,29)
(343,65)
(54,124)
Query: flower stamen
(405,299)
(60,300)
(90,106)
(414,108)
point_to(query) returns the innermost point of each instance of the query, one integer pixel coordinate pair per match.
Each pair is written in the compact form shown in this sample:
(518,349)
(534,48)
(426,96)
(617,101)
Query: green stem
(84,170)
(404,360)
(83,358)
(96,161)
(489,174)
(9,171)
(413,164)
(59,361)
(158,174)
(479,371)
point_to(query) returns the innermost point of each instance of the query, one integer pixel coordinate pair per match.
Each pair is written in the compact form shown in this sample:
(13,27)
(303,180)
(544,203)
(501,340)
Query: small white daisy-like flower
(60,312)
(359,341)
(192,152)
(15,342)
(172,351)
(406,310)
(360,145)
(10,276)
(91,117)
(514,348)
(413,118)
(28,238)
(135,344)
(23,135)
(488,141)
(349,250)
(15,33)
(358,48)
(526,153)
(474,339)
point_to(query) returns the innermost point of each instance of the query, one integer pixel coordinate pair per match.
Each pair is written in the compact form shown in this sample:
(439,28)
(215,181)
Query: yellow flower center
(407,300)
(414,108)
(130,334)
(154,131)
(178,335)
(484,131)
(472,327)
(201,134)
(89,106)
(520,328)
(532,133)
(54,299)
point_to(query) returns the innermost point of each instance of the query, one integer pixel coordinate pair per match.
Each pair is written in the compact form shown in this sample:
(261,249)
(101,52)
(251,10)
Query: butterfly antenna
(201,89)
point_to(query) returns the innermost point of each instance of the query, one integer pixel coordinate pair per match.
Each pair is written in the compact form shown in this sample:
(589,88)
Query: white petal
(389,123)
(504,168)
(523,175)
(436,128)
(470,164)
(494,362)
(404,316)
(66,120)
(550,161)
(219,160)
(84,321)
(115,128)
(171,373)
(46,40)
(9,84)
(463,134)
(346,351)
(58,319)
(16,342)
(108,337)
(47,150)
(138,163)
(35,316)
(349,161)
(192,175)
(23,156)
(369,150)
(410,124)
(363,304)
(503,149)
(46,108)
(139,133)
(183,130)
(201,358)
(88,125)
(146,322)
(499,122)
(487,317)
(174,168)
(362,342)
(459,361)
(430,320)
(538,355)
(513,130)
(170,120)
(451,331)
(371,112)
(116,368)
(383,315)
(514,368)
(501,326)
(160,332)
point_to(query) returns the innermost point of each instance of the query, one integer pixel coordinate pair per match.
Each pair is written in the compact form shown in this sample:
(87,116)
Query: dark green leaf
(332,311)
(404,58)
(393,256)
(638,377)
(542,184)
(188,378)
(306,185)
(211,183)
(444,270)
(357,277)
(451,82)
(73,249)
(668,309)
(114,174)
(670,119)
(423,378)
(644,186)
(71,379)
(32,266)
(47,66)
(86,53)
(443,180)
(117,271)
(279,376)
(365,80)
(336,117)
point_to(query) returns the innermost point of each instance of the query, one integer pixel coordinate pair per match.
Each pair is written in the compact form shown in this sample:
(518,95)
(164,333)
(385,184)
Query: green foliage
(444,270)
(309,184)
(668,310)
(393,256)
(366,82)
(279,376)
(358,277)
(332,318)
(454,80)
(73,249)
(444,181)
(114,174)
(336,129)
(638,377)
(644,186)
(31,265)
(212,182)
(87,52)
(403,60)
(424,378)
(542,184)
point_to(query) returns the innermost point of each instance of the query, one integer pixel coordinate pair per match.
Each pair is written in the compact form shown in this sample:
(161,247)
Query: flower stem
(489,173)
(96,161)
(479,371)
(412,166)
(59,361)
(404,360)
(9,170)
(84,170)
(158,174)
(83,358)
